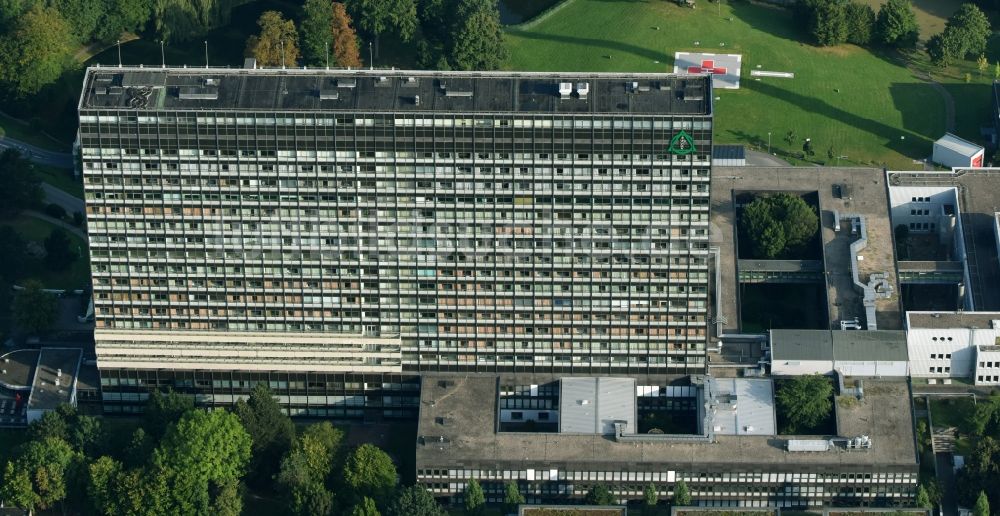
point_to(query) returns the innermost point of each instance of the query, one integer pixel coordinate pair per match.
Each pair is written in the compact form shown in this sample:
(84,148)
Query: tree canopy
(478,37)
(370,472)
(965,34)
(778,225)
(600,495)
(270,429)
(682,496)
(345,39)
(34,309)
(896,24)
(163,409)
(306,467)
(41,475)
(377,16)
(415,501)
(200,453)
(277,44)
(475,499)
(982,507)
(58,253)
(317,19)
(805,401)
(22,188)
(36,52)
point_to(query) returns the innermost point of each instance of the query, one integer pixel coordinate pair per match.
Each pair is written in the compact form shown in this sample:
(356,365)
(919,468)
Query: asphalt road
(69,202)
(38,154)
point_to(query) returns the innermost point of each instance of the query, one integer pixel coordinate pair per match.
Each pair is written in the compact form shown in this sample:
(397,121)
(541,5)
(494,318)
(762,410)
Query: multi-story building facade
(391,222)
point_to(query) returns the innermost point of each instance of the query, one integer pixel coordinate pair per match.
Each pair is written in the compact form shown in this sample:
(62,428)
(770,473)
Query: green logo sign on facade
(681,144)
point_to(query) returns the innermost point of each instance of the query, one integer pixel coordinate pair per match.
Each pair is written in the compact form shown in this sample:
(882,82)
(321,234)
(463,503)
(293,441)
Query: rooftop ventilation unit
(211,82)
(416,100)
(565,88)
(582,89)
(457,93)
(410,81)
(329,94)
(347,83)
(192,93)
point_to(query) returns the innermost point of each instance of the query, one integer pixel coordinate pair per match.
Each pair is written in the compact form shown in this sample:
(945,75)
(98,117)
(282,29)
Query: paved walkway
(38,154)
(61,223)
(763,159)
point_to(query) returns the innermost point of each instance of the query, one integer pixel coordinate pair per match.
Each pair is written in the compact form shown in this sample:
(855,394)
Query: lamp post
(769,142)
(371,59)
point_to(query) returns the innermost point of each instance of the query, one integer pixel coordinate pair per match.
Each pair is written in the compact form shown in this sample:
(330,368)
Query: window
(517,416)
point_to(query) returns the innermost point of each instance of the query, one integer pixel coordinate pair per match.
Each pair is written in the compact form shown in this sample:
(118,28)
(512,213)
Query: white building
(849,352)
(944,345)
(952,151)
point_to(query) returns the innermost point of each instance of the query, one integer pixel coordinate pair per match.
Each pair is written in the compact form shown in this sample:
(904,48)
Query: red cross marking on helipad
(707,66)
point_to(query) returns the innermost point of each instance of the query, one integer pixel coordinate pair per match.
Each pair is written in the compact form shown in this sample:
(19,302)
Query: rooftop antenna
(282,54)
(119,43)
(163,57)
(206,53)
(327,54)
(371,60)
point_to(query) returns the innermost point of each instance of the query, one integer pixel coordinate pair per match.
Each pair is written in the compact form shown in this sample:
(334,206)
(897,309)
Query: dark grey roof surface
(883,345)
(394,90)
(801,345)
(45,394)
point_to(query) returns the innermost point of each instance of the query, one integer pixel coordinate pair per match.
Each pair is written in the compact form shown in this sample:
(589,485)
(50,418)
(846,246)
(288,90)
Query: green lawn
(76,276)
(865,106)
(61,178)
(952,411)
(30,134)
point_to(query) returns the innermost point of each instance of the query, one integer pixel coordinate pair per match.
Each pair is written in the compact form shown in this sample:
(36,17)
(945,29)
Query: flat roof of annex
(398,91)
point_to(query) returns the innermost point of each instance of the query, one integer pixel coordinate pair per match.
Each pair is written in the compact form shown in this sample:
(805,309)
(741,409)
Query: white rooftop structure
(591,405)
(952,151)
(742,406)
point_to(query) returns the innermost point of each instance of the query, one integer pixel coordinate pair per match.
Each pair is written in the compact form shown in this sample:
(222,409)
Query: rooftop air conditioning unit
(565,88)
(582,89)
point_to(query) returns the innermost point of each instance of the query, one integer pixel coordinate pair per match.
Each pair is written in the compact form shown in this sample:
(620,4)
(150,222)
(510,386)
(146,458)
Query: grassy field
(19,130)
(61,178)
(863,105)
(76,276)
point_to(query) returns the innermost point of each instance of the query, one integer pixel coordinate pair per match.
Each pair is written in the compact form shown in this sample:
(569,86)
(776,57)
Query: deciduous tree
(896,24)
(478,42)
(805,401)
(982,507)
(164,409)
(277,44)
(649,496)
(475,499)
(36,52)
(512,496)
(600,495)
(315,31)
(377,16)
(971,30)
(415,501)
(200,453)
(49,464)
(860,23)
(370,472)
(366,507)
(22,189)
(34,309)
(682,496)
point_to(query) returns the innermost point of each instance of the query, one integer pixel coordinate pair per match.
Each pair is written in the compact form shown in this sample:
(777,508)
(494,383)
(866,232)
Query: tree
(896,24)
(227,499)
(186,20)
(317,20)
(941,49)
(58,253)
(366,507)
(982,64)
(512,495)
(778,224)
(101,477)
(682,496)
(17,489)
(49,464)
(923,500)
(649,496)
(805,401)
(982,507)
(34,309)
(970,30)
(271,430)
(415,501)
(478,43)
(36,52)
(305,469)
(370,472)
(22,189)
(345,40)
(600,495)
(828,23)
(200,453)
(996,71)
(278,41)
(162,410)
(860,23)
(474,497)
(375,16)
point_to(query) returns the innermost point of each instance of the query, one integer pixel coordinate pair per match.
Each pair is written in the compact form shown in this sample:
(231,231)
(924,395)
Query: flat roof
(592,405)
(959,145)
(158,89)
(863,192)
(945,320)
(745,406)
(54,365)
(17,368)
(884,415)
(801,345)
(883,345)
(729,152)
(978,191)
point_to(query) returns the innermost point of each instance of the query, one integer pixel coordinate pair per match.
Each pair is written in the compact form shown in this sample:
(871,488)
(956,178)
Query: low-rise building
(847,352)
(717,435)
(945,345)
